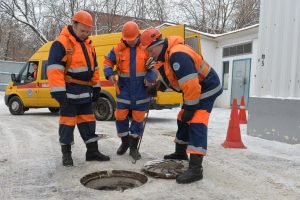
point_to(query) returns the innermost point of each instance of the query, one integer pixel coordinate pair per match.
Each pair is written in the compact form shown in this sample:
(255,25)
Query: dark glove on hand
(96,94)
(62,100)
(151,91)
(187,115)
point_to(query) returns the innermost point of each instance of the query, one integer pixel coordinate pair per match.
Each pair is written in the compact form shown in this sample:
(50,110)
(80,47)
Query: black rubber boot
(179,154)
(134,152)
(66,155)
(93,154)
(194,172)
(124,146)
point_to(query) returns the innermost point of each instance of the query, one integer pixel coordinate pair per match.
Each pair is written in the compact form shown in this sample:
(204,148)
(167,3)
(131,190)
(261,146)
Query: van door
(44,97)
(27,86)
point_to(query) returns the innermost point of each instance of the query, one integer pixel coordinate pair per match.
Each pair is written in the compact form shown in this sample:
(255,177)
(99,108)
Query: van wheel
(16,106)
(103,109)
(53,110)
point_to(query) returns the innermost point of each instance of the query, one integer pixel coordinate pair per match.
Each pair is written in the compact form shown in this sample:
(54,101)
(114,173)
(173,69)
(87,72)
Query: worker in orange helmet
(133,80)
(185,71)
(73,75)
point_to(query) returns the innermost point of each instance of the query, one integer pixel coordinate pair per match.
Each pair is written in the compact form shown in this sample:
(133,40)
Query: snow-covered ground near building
(30,161)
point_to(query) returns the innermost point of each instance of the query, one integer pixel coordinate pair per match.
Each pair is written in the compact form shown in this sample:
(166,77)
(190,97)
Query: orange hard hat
(150,37)
(130,31)
(83,17)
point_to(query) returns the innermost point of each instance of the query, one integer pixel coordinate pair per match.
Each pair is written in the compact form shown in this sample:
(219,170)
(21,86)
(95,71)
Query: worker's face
(155,51)
(82,31)
(34,66)
(133,42)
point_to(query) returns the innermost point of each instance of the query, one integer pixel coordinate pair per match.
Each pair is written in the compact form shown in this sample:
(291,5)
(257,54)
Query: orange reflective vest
(191,96)
(76,70)
(122,53)
(131,70)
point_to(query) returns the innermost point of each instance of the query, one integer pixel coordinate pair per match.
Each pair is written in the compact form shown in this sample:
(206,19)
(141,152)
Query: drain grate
(118,180)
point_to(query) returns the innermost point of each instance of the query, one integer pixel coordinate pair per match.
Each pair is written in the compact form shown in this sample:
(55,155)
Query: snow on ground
(30,161)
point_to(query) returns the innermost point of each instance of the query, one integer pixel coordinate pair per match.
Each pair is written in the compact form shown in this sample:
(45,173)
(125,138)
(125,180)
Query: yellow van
(26,91)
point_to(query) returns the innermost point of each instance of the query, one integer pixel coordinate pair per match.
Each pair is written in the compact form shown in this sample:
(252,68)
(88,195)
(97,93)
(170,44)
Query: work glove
(96,93)
(151,90)
(150,82)
(62,100)
(150,78)
(150,63)
(187,115)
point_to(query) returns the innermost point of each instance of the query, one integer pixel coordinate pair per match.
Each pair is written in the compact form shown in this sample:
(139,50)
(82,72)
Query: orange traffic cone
(233,138)
(242,113)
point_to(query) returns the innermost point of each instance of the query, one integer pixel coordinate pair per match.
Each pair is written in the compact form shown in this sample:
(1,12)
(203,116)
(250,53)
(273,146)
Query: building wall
(278,73)
(275,104)
(213,52)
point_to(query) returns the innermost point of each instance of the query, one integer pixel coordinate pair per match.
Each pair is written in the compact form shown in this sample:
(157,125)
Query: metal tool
(145,121)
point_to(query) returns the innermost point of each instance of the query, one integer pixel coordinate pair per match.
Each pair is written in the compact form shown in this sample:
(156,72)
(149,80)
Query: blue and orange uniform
(74,82)
(185,71)
(131,71)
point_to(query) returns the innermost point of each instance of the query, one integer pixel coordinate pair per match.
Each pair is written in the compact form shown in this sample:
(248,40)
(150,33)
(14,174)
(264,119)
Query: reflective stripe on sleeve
(191,102)
(139,74)
(56,66)
(187,77)
(124,75)
(58,89)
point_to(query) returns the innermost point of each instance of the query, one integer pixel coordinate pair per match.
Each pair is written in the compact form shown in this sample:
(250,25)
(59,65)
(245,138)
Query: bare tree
(27,12)
(46,18)
(139,10)
(113,14)
(219,16)
(247,13)
(157,10)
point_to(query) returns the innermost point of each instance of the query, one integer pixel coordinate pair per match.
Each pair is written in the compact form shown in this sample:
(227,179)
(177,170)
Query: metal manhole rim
(137,178)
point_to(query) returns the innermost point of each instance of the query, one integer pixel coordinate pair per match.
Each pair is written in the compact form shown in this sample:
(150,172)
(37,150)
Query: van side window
(28,73)
(32,70)
(44,70)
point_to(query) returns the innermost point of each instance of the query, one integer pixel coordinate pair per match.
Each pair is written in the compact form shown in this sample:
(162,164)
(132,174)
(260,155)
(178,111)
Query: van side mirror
(13,77)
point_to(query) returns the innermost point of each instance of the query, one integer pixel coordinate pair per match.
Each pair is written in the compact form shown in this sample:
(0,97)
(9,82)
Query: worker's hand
(187,115)
(151,90)
(62,100)
(150,78)
(150,63)
(96,94)
(112,79)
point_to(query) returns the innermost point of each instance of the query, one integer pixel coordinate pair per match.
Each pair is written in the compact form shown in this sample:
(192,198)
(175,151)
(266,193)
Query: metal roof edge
(213,36)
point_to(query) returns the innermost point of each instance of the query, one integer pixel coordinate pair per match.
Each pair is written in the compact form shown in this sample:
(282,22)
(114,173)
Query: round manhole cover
(113,180)
(168,169)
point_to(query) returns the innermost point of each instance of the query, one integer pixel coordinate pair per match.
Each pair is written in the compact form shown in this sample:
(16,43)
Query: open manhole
(113,180)
(167,169)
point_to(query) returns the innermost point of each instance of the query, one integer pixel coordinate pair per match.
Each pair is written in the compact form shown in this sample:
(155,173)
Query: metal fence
(6,69)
